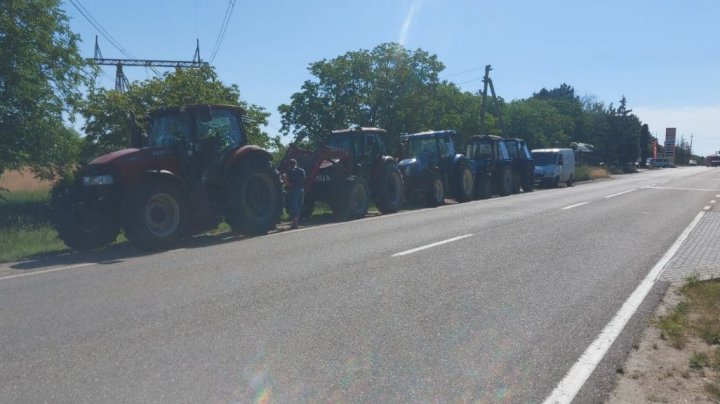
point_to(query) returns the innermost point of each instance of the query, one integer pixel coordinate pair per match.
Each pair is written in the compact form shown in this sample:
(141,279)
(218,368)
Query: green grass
(673,326)
(25,228)
(588,173)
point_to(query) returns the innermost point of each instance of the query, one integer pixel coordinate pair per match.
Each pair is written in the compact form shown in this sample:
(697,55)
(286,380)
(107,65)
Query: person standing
(295,178)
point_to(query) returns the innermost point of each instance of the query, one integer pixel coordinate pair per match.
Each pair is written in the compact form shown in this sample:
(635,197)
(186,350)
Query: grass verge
(697,317)
(25,228)
(587,173)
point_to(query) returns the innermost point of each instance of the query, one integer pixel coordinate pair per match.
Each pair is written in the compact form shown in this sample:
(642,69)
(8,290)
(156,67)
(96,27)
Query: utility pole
(691,139)
(121,81)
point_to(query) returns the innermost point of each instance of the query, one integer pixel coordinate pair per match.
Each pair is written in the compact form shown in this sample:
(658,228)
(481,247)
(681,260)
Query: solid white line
(425,247)
(685,189)
(620,193)
(586,364)
(706,208)
(575,206)
(44,271)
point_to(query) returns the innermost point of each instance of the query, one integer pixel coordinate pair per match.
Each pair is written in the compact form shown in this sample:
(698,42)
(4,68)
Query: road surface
(491,300)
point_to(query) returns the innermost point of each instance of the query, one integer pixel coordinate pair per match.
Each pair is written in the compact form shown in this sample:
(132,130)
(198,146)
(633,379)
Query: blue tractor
(432,168)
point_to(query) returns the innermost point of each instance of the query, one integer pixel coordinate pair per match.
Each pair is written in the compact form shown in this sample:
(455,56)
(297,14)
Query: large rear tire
(516,183)
(157,216)
(390,190)
(79,226)
(505,182)
(255,199)
(528,182)
(353,200)
(436,190)
(464,184)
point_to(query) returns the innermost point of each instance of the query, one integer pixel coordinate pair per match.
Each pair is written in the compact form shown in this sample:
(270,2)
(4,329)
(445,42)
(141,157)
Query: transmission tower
(121,81)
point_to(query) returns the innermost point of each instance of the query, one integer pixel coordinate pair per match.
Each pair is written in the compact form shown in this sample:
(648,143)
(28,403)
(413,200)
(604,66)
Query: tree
(539,122)
(41,76)
(388,86)
(107,126)
(644,144)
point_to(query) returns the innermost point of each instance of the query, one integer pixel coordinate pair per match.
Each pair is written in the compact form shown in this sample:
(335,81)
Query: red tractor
(347,171)
(192,170)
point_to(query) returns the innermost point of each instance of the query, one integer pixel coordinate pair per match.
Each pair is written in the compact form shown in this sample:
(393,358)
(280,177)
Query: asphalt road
(355,311)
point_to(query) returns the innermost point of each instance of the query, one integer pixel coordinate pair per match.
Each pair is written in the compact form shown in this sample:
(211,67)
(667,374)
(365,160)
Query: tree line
(44,81)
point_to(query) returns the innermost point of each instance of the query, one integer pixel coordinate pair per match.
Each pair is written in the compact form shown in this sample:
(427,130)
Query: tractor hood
(410,166)
(130,156)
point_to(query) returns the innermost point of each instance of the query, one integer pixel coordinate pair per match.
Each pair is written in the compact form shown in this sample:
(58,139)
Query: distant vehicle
(553,166)
(657,163)
(692,162)
(713,161)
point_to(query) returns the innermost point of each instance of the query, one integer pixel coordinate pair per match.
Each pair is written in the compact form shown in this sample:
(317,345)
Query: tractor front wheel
(436,190)
(157,217)
(464,184)
(484,187)
(353,201)
(255,201)
(79,226)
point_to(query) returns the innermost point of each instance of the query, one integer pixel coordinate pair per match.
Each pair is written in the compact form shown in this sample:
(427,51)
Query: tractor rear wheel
(157,216)
(436,190)
(80,227)
(528,182)
(516,183)
(353,201)
(255,198)
(484,187)
(389,190)
(505,182)
(464,184)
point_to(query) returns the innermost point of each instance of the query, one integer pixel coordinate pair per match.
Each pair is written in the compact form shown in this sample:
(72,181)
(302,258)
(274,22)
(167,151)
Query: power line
(96,24)
(461,73)
(470,81)
(223,29)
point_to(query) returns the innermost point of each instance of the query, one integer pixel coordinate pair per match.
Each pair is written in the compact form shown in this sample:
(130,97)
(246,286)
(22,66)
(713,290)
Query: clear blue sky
(663,55)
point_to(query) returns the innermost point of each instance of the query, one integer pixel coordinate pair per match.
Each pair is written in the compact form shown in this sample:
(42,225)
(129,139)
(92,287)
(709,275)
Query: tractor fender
(380,168)
(244,153)
(169,177)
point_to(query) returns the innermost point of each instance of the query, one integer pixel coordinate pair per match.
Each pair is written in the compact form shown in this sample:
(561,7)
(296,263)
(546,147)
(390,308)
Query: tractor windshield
(341,141)
(479,151)
(421,147)
(170,129)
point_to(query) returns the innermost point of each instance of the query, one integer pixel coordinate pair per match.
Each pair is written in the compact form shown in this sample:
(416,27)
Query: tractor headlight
(98,180)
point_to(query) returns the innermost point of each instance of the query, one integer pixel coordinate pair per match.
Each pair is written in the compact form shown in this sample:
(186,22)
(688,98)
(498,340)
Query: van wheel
(570,181)
(556,182)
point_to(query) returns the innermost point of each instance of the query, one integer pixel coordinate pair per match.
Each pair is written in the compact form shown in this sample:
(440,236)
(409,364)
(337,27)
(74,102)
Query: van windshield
(544,158)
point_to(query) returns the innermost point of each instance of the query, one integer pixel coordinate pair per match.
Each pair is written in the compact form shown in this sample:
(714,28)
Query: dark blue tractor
(500,165)
(432,168)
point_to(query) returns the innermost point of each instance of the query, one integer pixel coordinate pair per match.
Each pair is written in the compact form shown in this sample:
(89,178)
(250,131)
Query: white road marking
(706,208)
(44,271)
(717,196)
(621,193)
(713,201)
(425,247)
(575,206)
(576,377)
(685,189)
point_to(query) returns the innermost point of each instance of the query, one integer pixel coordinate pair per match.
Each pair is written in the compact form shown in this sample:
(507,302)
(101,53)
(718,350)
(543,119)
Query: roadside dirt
(656,372)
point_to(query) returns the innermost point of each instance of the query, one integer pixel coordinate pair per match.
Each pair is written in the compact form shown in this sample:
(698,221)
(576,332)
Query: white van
(553,166)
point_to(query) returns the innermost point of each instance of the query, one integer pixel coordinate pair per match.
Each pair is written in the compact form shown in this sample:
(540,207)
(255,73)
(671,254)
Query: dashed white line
(713,201)
(706,208)
(44,271)
(621,193)
(425,247)
(573,381)
(685,189)
(575,206)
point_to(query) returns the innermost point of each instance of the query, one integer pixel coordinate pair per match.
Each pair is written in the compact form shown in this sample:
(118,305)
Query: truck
(191,170)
